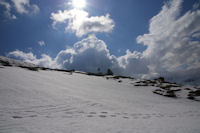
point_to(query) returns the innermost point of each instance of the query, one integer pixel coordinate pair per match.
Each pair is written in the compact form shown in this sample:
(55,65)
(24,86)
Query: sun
(79,3)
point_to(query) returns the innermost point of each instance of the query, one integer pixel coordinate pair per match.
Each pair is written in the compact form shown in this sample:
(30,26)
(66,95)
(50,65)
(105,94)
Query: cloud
(196,6)
(7,12)
(25,56)
(41,43)
(45,60)
(86,55)
(24,7)
(80,22)
(35,9)
(133,64)
(173,46)
(21,6)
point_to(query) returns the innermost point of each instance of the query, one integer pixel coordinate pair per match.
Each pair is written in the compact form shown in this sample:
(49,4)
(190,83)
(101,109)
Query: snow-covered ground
(47,101)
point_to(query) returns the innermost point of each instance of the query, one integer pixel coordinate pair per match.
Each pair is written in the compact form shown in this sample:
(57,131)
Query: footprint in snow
(93,113)
(104,112)
(90,116)
(17,117)
(33,116)
(102,116)
(113,115)
(125,117)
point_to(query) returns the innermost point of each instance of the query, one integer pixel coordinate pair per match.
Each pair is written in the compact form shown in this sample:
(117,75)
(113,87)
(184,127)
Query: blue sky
(131,19)
(30,29)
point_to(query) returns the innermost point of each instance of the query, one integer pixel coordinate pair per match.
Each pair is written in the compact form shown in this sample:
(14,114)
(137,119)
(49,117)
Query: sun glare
(79,3)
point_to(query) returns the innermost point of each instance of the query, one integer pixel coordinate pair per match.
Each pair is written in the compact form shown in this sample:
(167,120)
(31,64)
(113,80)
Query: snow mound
(62,101)
(12,62)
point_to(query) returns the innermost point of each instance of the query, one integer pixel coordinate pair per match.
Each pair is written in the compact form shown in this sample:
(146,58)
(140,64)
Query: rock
(190,96)
(170,93)
(167,93)
(195,93)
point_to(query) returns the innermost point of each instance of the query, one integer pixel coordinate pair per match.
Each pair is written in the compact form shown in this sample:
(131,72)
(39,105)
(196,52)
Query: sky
(139,38)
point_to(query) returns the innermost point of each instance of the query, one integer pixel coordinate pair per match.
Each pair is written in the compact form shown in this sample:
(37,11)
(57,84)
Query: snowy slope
(47,101)
(13,62)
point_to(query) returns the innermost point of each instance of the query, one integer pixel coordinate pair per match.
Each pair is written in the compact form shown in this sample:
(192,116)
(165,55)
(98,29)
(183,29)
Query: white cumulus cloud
(7,12)
(86,55)
(24,7)
(45,60)
(133,64)
(81,23)
(41,43)
(25,56)
(173,47)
